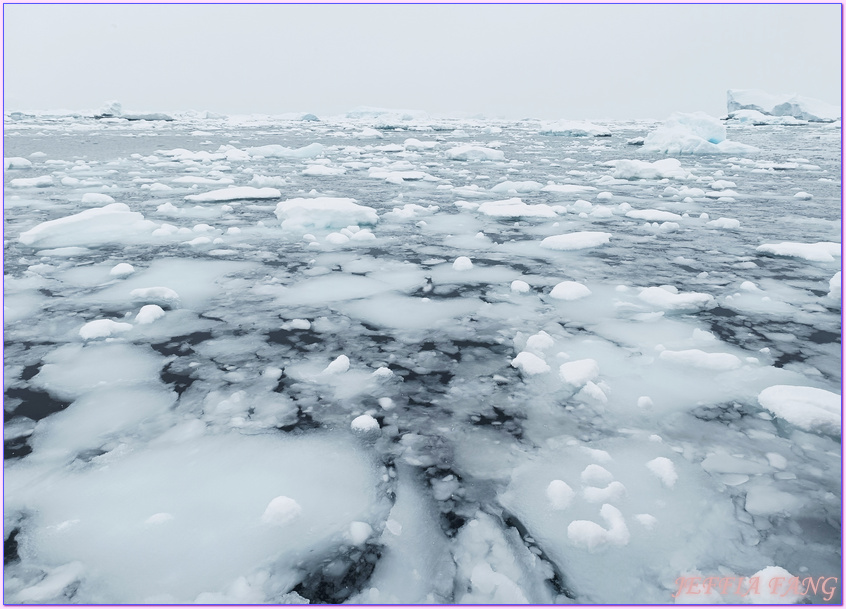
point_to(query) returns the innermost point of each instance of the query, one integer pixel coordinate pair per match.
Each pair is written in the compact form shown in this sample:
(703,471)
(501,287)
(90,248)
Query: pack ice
(389,358)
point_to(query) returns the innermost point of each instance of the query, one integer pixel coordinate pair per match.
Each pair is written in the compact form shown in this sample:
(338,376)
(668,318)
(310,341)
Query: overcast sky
(565,61)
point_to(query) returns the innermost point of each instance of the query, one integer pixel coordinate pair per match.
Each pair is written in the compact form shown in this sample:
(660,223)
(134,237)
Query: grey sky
(545,61)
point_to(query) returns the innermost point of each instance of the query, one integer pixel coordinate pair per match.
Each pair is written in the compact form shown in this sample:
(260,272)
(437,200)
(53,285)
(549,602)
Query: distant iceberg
(114,109)
(804,108)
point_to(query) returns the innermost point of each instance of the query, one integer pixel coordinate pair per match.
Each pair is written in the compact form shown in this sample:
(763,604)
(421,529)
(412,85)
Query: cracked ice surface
(261,360)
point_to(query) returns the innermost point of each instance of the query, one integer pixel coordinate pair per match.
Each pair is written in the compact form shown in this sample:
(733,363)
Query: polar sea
(382,358)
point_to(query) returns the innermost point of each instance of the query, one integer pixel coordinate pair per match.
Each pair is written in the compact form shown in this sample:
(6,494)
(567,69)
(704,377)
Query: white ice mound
(578,373)
(653,215)
(101,328)
(475,153)
(113,223)
(529,363)
(235,194)
(364,423)
(663,298)
(590,536)
(807,408)
(525,186)
(663,469)
(574,129)
(462,263)
(631,169)
(569,290)
(16,162)
(515,208)
(281,510)
(576,241)
(281,152)
(560,494)
(696,133)
(823,251)
(696,358)
(805,108)
(323,212)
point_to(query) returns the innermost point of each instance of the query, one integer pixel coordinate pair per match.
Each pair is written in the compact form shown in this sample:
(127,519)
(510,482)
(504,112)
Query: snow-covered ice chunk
(149,313)
(589,535)
(359,532)
(525,186)
(338,366)
(462,263)
(97,198)
(519,286)
(101,328)
(803,196)
(822,251)
(664,470)
(560,494)
(122,269)
(364,423)
(674,301)
(540,342)
(515,208)
(475,153)
(156,295)
(573,129)
(579,372)
(834,286)
(235,194)
(529,363)
(614,491)
(632,169)
(323,170)
(697,358)
(323,212)
(807,408)
(797,106)
(595,474)
(281,511)
(281,152)
(570,290)
(727,223)
(567,188)
(114,223)
(696,133)
(653,215)
(576,241)
(16,162)
(37,182)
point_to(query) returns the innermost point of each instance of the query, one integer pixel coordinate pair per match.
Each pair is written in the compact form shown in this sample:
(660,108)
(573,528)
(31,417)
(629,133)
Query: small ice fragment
(386,403)
(101,328)
(462,263)
(644,401)
(364,423)
(149,313)
(529,363)
(122,270)
(96,197)
(340,365)
(559,494)
(579,372)
(383,373)
(570,290)
(281,511)
(647,520)
(664,470)
(359,532)
(520,287)
(596,474)
(299,324)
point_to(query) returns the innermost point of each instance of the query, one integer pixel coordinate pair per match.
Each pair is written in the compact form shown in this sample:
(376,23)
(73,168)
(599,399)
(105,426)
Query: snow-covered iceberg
(696,133)
(797,106)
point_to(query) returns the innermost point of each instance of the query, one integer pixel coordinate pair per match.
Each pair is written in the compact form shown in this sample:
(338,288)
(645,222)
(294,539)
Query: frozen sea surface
(416,361)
